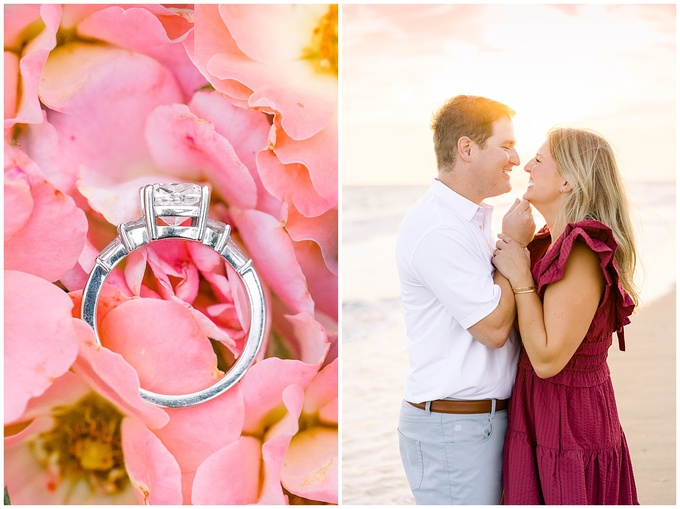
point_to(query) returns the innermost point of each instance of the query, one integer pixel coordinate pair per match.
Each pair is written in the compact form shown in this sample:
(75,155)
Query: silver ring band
(166,208)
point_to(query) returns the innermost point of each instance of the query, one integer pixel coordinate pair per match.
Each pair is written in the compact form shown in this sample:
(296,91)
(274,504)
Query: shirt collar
(464,207)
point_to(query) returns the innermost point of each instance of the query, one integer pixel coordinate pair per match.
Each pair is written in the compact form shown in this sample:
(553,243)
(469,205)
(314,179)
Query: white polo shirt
(444,250)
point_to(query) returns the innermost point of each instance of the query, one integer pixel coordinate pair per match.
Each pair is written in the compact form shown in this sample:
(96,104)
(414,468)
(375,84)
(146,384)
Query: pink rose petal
(55,224)
(263,386)
(16,434)
(195,433)
(42,142)
(264,235)
(36,350)
(11,83)
(75,279)
(272,456)
(304,99)
(135,270)
(322,282)
(276,443)
(291,183)
(230,476)
(279,88)
(174,259)
(34,56)
(107,137)
(227,287)
(181,142)
(211,330)
(118,203)
(161,339)
(18,200)
(321,395)
(171,259)
(321,229)
(210,36)
(310,465)
(63,392)
(305,337)
(112,377)
(247,131)
(292,400)
(153,471)
(284,76)
(319,154)
(156,34)
(75,13)
(135,28)
(17,19)
(290,26)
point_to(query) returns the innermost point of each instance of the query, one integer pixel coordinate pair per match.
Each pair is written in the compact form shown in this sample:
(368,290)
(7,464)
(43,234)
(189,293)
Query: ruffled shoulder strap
(600,238)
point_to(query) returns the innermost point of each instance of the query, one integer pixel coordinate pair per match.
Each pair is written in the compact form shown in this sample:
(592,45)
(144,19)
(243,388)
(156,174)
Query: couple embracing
(508,396)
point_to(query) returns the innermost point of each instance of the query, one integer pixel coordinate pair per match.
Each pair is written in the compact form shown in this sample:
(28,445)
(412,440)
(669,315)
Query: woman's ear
(566,187)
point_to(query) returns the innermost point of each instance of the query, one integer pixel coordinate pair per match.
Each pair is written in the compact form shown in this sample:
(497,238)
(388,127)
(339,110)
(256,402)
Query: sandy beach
(373,371)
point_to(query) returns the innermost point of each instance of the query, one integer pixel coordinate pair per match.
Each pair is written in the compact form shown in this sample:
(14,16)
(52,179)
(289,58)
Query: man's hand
(518,222)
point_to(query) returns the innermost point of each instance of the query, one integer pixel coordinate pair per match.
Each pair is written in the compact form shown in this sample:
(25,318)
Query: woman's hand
(512,260)
(518,222)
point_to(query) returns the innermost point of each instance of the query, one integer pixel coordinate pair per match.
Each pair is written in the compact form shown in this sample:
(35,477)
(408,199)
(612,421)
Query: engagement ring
(180,211)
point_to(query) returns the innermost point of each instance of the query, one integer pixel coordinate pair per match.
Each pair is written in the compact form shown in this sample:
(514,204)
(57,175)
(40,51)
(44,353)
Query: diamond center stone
(173,220)
(177,194)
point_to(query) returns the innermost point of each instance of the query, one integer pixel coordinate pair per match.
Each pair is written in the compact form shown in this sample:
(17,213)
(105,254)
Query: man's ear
(465,148)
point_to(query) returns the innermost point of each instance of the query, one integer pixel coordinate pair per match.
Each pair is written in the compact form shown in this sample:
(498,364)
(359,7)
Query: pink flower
(74,446)
(281,396)
(44,230)
(232,47)
(294,79)
(101,100)
(66,431)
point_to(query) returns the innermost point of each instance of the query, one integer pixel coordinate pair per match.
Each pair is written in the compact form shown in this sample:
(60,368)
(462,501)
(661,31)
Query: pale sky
(611,68)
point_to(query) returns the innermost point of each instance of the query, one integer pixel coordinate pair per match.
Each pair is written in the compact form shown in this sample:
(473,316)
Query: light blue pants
(452,458)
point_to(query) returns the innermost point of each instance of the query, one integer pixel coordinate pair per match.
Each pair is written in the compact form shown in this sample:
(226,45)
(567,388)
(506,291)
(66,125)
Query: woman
(573,288)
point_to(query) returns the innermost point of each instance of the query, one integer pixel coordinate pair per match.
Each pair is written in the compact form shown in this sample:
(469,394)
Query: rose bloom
(101,100)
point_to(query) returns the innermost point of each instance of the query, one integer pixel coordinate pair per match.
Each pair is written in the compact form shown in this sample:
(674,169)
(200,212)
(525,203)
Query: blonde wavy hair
(587,162)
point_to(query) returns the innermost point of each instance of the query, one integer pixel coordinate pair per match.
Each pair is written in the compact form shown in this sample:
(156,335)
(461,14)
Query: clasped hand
(512,260)
(518,222)
(510,257)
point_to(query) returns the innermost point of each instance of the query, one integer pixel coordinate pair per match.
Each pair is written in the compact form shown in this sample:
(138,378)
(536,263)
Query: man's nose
(514,157)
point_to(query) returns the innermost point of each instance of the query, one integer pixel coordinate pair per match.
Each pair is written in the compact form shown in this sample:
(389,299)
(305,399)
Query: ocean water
(371,218)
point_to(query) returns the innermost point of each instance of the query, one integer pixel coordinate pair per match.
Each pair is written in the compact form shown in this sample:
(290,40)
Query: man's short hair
(464,115)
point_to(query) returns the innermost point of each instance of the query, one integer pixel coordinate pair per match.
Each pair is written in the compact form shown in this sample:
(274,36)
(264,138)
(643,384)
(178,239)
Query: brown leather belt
(448,406)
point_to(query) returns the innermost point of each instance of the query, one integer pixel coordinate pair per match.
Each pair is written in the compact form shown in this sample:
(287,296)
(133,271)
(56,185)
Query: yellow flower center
(323,49)
(84,444)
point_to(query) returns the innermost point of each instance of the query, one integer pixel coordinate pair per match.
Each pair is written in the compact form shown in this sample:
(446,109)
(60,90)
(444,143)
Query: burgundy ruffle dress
(565,444)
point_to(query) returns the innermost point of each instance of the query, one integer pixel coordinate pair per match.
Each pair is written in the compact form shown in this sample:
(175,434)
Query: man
(459,312)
